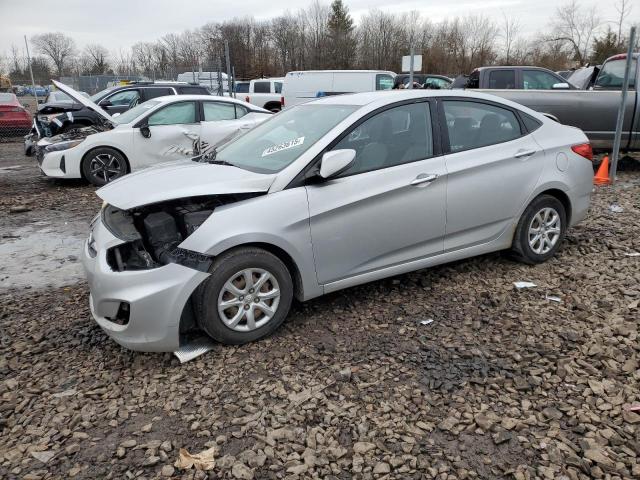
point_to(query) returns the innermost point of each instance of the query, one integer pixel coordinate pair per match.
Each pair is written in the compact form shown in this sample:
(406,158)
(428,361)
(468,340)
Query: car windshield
(97,96)
(6,97)
(276,143)
(130,115)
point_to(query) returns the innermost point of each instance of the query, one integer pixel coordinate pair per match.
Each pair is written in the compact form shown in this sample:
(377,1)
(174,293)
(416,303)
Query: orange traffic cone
(602,175)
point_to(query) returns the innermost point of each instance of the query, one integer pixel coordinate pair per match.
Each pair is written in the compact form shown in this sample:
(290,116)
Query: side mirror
(336,161)
(145,132)
(105,103)
(560,86)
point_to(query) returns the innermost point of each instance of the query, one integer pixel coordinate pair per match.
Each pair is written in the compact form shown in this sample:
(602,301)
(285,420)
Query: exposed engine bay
(153,232)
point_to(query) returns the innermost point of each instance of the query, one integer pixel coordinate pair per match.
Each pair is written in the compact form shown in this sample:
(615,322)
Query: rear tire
(540,230)
(247,296)
(103,165)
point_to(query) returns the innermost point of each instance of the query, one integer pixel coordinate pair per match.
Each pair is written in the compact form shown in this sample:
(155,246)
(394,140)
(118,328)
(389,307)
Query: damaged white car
(323,196)
(159,130)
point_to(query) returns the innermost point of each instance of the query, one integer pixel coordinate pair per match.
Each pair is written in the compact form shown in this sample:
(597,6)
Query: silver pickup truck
(594,110)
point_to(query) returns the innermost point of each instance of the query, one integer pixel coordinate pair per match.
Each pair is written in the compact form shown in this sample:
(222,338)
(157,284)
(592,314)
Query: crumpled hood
(181,179)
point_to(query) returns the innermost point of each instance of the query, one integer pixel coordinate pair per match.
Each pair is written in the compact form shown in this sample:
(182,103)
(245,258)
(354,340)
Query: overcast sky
(121,23)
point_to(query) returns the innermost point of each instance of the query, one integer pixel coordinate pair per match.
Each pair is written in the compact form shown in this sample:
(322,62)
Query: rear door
(175,132)
(493,166)
(222,119)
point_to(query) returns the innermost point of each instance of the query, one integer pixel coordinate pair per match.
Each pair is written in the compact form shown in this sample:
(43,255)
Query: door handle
(524,153)
(424,179)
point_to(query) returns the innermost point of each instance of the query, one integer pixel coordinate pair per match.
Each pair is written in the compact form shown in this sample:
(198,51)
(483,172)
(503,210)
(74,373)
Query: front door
(389,207)
(120,101)
(175,133)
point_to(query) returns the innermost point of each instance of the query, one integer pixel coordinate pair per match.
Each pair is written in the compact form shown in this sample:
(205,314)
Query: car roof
(182,98)
(385,97)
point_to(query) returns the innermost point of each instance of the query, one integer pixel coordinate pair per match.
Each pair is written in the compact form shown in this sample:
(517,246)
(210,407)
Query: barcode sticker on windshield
(283,146)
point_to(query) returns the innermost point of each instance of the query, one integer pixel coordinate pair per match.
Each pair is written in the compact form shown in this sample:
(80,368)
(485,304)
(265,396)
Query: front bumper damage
(139,309)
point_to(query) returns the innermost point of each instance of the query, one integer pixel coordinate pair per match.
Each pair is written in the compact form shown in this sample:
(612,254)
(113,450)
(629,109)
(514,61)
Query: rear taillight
(246,99)
(584,150)
(282,102)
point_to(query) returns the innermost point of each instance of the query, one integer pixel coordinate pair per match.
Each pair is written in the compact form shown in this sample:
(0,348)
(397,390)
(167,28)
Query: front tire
(540,230)
(247,296)
(103,165)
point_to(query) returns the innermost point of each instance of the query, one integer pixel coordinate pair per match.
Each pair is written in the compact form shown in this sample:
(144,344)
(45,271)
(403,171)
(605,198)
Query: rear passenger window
(392,137)
(278,86)
(474,125)
(155,92)
(193,91)
(241,111)
(215,111)
(262,87)
(502,79)
(529,122)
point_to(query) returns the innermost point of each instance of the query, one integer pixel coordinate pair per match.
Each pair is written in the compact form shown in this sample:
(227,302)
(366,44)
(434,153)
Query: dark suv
(54,118)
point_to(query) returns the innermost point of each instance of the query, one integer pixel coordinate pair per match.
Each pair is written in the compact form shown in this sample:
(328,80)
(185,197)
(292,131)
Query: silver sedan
(323,196)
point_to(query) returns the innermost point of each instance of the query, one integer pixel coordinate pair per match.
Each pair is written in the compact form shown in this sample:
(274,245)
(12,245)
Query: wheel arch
(562,197)
(284,257)
(272,104)
(84,157)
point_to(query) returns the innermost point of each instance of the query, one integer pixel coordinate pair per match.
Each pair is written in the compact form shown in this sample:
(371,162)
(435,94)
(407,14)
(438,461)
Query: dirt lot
(503,383)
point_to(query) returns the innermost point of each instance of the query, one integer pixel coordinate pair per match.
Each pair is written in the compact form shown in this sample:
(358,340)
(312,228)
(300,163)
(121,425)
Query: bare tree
(509,34)
(623,7)
(58,47)
(96,58)
(576,26)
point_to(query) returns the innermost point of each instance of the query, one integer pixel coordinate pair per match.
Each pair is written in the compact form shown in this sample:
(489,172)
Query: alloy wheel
(105,167)
(544,230)
(248,299)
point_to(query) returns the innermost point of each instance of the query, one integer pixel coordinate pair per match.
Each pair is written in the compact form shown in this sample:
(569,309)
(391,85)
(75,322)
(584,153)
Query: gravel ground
(503,383)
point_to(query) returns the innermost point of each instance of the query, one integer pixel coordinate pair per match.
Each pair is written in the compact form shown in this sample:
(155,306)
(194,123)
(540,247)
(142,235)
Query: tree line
(325,36)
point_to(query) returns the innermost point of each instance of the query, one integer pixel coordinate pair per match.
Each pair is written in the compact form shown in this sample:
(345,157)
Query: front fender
(280,219)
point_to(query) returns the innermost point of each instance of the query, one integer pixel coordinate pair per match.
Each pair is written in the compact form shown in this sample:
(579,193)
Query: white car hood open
(78,97)
(181,179)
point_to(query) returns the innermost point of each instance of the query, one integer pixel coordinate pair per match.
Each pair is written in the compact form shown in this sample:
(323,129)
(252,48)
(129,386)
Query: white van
(303,86)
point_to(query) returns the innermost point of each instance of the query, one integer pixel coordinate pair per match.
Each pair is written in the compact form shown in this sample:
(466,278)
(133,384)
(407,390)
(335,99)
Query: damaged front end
(153,233)
(64,141)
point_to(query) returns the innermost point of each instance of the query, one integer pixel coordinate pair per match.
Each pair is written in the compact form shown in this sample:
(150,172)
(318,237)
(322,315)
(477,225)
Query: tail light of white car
(246,99)
(282,102)
(584,150)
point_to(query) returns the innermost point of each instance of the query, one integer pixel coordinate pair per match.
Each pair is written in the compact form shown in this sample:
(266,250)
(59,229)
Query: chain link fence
(14,123)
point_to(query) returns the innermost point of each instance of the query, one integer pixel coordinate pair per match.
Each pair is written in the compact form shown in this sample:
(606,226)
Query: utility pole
(623,101)
(411,67)
(33,82)
(228,60)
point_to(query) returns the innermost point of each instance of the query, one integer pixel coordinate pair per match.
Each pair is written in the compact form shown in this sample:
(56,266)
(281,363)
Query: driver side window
(174,114)
(395,136)
(125,97)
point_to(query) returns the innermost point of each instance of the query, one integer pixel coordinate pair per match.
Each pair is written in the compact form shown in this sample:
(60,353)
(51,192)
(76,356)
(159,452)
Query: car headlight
(56,147)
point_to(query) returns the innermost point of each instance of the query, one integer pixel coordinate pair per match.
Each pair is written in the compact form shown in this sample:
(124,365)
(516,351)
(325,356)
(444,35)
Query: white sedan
(159,130)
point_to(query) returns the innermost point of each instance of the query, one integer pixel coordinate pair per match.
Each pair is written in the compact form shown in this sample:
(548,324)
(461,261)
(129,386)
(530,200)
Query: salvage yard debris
(200,461)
